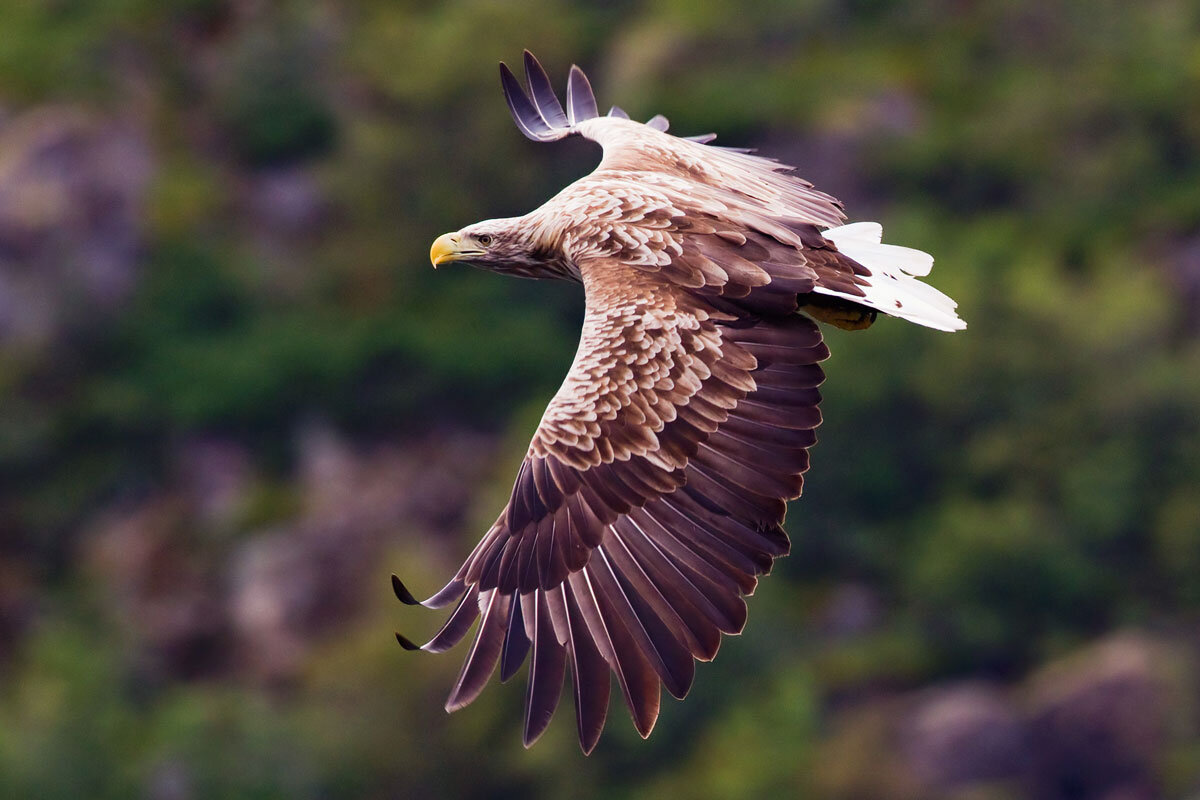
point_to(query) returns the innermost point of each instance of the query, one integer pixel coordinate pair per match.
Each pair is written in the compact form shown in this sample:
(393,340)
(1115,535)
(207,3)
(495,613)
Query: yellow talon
(851,318)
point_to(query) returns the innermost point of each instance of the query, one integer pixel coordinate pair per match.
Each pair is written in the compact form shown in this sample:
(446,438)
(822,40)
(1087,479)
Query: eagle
(653,494)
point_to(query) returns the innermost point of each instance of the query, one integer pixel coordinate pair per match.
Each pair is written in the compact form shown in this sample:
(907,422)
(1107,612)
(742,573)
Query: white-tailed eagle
(653,493)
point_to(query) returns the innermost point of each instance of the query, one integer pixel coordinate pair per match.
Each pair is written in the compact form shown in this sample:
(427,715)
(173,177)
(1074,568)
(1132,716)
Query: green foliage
(272,101)
(50,45)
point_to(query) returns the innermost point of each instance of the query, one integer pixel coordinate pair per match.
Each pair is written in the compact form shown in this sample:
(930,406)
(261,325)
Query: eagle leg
(840,314)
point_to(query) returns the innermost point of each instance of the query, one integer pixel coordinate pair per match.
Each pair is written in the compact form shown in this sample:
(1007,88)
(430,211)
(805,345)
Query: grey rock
(964,734)
(1098,720)
(72,189)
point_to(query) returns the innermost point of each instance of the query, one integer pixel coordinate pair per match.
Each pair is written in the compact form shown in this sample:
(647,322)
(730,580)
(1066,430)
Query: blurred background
(234,397)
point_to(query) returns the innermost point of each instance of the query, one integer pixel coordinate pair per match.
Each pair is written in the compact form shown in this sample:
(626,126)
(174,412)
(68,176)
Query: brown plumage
(653,494)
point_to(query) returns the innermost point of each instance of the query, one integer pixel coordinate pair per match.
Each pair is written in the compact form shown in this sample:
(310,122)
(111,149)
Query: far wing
(647,147)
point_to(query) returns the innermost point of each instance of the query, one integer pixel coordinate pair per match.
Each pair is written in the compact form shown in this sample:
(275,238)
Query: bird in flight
(653,493)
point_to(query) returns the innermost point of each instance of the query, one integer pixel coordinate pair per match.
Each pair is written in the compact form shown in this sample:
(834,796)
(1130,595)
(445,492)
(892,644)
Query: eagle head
(506,246)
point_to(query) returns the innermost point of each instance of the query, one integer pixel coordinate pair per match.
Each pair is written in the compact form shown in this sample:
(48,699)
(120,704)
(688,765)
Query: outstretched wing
(650,500)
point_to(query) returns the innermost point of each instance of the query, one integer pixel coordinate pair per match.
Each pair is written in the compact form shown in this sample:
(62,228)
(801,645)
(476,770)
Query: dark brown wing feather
(653,377)
(665,572)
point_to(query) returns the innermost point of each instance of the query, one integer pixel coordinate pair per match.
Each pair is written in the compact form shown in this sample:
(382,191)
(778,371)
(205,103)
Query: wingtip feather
(541,91)
(406,643)
(529,120)
(659,123)
(581,100)
(402,593)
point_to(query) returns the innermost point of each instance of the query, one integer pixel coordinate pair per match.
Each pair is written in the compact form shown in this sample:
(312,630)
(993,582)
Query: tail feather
(893,286)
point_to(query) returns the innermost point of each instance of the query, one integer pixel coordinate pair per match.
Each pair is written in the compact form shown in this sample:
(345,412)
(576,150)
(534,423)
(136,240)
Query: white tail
(893,287)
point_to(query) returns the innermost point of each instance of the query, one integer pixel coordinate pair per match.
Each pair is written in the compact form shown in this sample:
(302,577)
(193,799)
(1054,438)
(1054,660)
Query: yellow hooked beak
(445,248)
(450,247)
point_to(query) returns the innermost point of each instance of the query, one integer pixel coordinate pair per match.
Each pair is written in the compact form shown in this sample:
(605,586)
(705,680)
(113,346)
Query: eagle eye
(484,239)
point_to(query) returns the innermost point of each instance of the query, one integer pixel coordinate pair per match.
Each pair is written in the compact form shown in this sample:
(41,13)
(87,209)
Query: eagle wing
(654,490)
(651,498)
(642,147)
